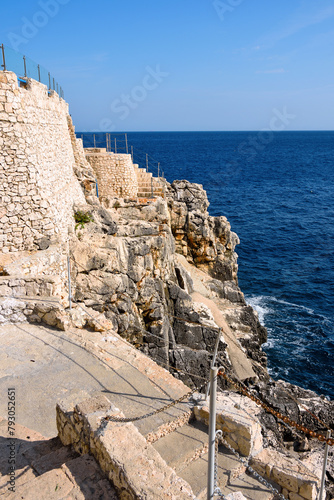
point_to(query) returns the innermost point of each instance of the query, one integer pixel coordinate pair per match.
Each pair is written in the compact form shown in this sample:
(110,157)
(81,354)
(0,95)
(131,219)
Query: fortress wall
(115,173)
(38,186)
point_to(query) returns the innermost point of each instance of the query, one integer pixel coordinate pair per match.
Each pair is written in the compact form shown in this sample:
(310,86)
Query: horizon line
(196,131)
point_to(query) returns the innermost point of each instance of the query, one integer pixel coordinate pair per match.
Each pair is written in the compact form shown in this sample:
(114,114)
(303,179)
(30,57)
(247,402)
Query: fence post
(94,141)
(213,362)
(3,57)
(212,434)
(69,283)
(126,143)
(49,81)
(323,477)
(132,153)
(115,145)
(146,162)
(25,66)
(39,72)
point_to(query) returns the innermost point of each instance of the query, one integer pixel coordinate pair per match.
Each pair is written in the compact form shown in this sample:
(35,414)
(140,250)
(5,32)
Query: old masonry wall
(38,186)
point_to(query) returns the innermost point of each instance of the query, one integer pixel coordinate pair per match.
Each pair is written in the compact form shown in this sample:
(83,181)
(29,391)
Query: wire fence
(119,144)
(25,68)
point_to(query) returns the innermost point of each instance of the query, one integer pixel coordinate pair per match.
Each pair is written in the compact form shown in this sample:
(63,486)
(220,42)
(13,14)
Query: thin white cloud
(300,21)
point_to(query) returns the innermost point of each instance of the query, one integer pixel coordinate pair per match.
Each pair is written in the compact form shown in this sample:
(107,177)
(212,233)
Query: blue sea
(277,191)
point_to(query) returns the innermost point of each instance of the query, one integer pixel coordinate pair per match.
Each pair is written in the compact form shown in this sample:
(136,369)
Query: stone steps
(147,183)
(191,439)
(180,452)
(185,450)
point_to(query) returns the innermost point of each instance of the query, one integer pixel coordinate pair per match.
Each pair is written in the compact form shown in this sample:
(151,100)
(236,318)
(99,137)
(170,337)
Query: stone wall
(115,173)
(38,186)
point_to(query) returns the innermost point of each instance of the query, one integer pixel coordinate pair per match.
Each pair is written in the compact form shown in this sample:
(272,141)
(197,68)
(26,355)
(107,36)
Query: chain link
(252,471)
(287,420)
(114,418)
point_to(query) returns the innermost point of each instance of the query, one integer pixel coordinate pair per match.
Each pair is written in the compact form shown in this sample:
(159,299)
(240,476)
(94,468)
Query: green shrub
(82,218)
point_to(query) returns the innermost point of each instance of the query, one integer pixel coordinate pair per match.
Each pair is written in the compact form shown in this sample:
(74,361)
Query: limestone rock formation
(127,264)
(206,241)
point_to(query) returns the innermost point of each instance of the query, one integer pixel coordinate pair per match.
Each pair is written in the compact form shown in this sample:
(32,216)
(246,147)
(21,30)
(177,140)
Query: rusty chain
(114,418)
(300,427)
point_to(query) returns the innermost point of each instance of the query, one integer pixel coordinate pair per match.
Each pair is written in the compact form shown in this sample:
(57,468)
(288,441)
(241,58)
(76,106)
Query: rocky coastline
(157,270)
(164,274)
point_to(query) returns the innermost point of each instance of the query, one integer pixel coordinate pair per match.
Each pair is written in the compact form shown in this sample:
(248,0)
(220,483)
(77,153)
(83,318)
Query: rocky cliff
(164,273)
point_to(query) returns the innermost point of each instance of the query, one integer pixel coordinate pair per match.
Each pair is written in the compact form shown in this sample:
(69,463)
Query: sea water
(277,191)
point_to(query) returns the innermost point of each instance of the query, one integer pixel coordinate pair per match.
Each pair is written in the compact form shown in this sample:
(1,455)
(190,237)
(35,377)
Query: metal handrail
(26,67)
(114,144)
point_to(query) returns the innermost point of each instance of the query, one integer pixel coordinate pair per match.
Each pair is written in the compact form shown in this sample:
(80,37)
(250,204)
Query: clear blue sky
(129,65)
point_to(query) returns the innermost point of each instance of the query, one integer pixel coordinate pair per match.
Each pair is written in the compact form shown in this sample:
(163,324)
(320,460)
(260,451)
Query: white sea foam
(298,306)
(259,303)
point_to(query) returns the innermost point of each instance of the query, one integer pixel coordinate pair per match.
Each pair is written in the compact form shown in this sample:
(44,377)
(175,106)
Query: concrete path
(46,366)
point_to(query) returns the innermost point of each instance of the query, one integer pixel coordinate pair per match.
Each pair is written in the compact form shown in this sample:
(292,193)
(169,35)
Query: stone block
(295,496)
(308,490)
(237,418)
(288,472)
(138,469)
(237,495)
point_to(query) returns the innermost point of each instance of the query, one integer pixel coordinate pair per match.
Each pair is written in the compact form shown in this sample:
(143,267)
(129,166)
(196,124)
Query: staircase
(176,451)
(47,470)
(148,186)
(186,451)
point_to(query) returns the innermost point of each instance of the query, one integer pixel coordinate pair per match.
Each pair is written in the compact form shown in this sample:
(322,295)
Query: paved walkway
(46,366)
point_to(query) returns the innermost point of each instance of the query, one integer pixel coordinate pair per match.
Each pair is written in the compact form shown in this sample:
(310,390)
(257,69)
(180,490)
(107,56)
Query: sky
(183,65)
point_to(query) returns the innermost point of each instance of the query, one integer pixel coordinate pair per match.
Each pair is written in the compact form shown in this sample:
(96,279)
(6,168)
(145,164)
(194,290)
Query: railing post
(132,153)
(115,145)
(39,72)
(126,143)
(54,86)
(323,477)
(94,141)
(25,66)
(57,89)
(213,362)
(212,434)
(69,283)
(49,81)
(3,57)
(146,162)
